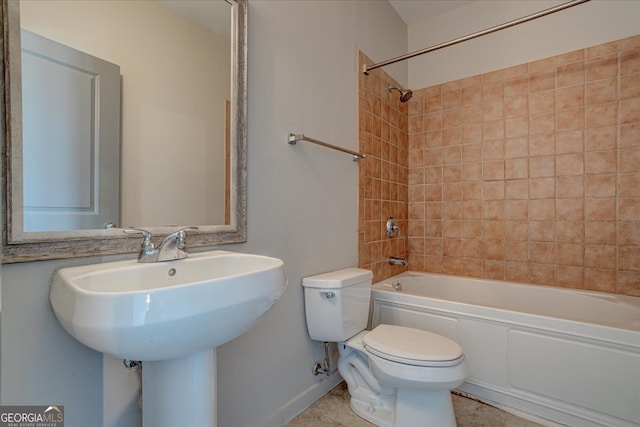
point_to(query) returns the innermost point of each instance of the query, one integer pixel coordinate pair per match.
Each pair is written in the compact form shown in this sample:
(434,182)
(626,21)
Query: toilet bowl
(415,359)
(396,376)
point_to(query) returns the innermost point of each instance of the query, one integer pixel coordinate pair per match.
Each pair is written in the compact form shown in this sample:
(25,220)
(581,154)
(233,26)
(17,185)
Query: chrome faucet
(393,260)
(172,247)
(392,228)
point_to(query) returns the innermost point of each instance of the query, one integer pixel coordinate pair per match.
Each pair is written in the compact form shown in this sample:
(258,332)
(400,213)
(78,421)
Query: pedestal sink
(171,316)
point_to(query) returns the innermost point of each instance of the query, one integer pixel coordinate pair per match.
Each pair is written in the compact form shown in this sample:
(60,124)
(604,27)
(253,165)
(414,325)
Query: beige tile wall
(383,188)
(528,174)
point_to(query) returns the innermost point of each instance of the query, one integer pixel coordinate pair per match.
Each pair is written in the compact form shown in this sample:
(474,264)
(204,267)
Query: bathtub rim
(625,335)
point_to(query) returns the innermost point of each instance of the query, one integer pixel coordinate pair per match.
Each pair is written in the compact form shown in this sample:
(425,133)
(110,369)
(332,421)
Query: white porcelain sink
(165,310)
(171,316)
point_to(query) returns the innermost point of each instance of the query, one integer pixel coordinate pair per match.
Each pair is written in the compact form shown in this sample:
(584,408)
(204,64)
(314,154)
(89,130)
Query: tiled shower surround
(528,174)
(384,173)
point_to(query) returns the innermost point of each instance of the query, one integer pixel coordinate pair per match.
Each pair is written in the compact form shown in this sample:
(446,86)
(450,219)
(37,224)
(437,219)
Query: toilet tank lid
(338,279)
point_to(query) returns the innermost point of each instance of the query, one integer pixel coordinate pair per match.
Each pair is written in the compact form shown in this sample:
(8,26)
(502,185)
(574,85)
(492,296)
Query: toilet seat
(411,346)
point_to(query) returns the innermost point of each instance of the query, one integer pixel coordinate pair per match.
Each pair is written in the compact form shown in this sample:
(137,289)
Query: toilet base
(381,417)
(413,409)
(424,409)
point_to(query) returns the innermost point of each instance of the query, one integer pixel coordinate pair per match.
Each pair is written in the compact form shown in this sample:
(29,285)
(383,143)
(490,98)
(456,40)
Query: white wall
(302,208)
(175,77)
(585,25)
(40,362)
(303,77)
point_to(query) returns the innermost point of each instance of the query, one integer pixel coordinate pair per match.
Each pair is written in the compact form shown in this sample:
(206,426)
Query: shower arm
(513,23)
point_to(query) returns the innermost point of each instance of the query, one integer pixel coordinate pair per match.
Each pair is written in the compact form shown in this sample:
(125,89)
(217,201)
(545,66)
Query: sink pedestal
(180,392)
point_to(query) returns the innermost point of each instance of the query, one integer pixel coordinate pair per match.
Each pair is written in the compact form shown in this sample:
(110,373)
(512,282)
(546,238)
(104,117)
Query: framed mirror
(142,124)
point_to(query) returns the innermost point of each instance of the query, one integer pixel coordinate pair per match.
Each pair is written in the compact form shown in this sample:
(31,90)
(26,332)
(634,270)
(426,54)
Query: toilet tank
(337,303)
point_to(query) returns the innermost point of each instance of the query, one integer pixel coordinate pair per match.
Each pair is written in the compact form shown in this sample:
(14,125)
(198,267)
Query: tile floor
(333,411)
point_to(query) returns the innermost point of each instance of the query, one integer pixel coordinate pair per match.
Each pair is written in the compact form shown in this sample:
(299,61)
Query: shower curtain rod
(515,22)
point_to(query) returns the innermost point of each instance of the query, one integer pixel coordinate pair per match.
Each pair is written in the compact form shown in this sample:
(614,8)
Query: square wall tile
(529,173)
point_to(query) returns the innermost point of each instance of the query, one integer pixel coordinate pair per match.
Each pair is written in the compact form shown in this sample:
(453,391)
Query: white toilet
(397,376)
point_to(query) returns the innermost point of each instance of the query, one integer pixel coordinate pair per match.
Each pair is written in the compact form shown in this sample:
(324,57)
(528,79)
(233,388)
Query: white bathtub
(569,356)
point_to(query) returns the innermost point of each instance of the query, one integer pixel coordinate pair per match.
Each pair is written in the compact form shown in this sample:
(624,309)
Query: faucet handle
(392,228)
(146,234)
(147,245)
(191,227)
(181,232)
(181,235)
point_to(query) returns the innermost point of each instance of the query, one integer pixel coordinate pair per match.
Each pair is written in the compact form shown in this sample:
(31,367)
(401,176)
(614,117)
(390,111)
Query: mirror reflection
(126,113)
(137,113)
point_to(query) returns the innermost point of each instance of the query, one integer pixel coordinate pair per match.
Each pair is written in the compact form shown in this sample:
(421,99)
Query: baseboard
(538,409)
(302,401)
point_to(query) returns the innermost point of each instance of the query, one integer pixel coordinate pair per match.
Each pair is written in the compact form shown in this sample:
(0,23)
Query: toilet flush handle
(327,295)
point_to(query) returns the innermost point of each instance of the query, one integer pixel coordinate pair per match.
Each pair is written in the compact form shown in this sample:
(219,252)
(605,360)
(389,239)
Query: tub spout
(397,261)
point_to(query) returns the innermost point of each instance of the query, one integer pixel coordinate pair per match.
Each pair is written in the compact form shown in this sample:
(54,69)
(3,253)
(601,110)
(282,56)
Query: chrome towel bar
(293,138)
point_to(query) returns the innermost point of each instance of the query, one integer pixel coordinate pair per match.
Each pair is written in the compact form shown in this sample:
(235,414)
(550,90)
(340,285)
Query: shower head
(405,94)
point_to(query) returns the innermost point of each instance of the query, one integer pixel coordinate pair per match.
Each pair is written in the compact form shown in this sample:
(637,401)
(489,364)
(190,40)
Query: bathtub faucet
(397,261)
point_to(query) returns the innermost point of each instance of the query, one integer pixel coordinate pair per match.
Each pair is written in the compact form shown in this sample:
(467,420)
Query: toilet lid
(412,346)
